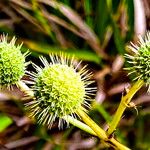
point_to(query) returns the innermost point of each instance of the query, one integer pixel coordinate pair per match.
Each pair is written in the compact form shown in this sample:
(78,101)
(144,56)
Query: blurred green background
(94,31)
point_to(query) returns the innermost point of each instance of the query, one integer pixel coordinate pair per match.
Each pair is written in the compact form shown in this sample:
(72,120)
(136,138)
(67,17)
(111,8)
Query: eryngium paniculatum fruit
(12,62)
(140,60)
(59,90)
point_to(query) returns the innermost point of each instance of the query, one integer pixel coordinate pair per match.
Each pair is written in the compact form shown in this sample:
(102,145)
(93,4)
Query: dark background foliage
(95,31)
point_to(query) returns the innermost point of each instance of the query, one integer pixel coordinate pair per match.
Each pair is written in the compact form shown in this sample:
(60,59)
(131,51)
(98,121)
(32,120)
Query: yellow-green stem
(79,124)
(100,132)
(123,104)
(91,126)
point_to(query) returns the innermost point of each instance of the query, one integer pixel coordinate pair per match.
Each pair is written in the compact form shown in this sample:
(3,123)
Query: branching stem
(100,132)
(79,124)
(90,126)
(123,104)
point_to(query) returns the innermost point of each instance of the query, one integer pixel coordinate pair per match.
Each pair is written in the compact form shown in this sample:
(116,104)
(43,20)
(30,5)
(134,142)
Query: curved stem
(80,125)
(123,104)
(100,132)
(91,126)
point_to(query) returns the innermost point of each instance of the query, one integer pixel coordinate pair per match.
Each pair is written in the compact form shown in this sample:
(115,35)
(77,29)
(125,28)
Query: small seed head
(140,61)
(59,90)
(12,62)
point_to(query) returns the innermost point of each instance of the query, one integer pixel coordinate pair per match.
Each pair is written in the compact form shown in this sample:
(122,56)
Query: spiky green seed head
(12,62)
(140,61)
(59,90)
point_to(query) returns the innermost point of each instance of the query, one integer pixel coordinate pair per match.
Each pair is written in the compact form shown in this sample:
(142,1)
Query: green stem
(123,104)
(100,132)
(91,126)
(80,125)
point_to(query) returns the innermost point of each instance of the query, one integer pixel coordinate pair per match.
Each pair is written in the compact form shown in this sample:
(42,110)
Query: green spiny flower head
(140,61)
(59,90)
(12,62)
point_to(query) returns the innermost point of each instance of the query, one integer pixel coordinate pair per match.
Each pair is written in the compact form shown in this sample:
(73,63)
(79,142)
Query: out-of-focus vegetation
(95,31)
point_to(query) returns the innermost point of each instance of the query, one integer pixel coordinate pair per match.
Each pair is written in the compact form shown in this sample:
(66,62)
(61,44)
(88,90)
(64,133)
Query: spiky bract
(12,62)
(59,90)
(140,61)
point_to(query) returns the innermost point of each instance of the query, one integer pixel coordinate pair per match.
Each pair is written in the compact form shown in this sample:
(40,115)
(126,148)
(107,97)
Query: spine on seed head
(12,62)
(59,90)
(140,60)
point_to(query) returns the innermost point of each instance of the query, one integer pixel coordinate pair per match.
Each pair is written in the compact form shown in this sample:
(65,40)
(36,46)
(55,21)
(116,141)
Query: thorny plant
(61,90)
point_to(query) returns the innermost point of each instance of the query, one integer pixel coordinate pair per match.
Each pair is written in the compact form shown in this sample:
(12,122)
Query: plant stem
(100,132)
(123,104)
(80,125)
(91,126)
